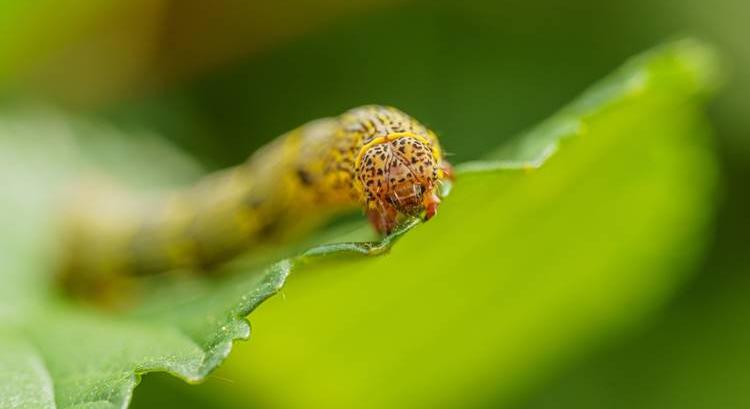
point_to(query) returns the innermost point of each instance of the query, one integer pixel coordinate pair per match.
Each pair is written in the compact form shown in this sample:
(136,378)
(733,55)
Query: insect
(375,157)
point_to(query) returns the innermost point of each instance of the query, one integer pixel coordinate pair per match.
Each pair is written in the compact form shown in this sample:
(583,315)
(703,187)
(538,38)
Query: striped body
(375,157)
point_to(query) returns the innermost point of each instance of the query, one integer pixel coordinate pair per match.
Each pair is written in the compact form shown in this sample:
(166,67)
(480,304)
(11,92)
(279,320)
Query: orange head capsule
(399,175)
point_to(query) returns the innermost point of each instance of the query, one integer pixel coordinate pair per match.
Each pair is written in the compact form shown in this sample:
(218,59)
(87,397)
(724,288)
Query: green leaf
(521,268)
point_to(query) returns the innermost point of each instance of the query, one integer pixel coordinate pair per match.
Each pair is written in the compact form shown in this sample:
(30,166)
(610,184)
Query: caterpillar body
(375,157)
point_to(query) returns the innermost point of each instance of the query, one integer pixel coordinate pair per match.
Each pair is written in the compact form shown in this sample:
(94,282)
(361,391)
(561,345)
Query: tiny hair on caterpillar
(374,157)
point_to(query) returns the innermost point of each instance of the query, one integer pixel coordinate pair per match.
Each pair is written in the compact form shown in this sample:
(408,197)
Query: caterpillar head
(400,176)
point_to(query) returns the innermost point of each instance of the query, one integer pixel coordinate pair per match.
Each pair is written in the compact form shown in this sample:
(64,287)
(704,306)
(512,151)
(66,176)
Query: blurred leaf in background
(55,352)
(87,53)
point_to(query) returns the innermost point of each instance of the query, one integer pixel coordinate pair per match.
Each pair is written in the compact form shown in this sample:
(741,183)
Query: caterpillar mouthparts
(375,157)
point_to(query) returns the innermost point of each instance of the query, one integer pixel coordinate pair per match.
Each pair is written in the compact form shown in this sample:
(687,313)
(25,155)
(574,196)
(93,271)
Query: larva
(375,157)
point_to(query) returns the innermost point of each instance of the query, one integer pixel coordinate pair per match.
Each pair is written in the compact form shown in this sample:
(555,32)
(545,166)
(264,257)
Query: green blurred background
(221,78)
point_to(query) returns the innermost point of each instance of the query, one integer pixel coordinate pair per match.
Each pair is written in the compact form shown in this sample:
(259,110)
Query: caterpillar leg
(447,171)
(431,199)
(431,202)
(383,218)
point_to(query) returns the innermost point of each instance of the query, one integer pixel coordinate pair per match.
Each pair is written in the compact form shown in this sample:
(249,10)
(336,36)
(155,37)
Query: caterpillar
(375,157)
